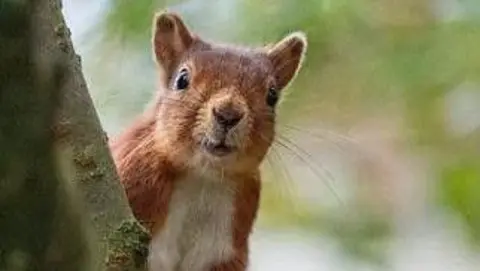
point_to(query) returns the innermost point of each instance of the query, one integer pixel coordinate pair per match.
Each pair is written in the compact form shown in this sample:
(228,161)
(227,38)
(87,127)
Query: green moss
(128,248)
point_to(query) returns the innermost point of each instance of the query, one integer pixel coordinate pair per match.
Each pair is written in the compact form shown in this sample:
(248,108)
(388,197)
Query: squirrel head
(216,104)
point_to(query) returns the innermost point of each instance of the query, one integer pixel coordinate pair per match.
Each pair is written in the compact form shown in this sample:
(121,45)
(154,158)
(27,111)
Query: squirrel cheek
(262,132)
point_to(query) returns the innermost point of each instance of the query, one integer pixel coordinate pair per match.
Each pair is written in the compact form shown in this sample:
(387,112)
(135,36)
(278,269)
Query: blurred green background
(379,166)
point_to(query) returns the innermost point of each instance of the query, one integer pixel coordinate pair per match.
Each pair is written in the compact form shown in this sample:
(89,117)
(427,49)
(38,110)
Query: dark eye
(272,97)
(182,81)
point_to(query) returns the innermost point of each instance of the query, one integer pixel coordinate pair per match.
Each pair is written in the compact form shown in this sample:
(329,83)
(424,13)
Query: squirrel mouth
(217,148)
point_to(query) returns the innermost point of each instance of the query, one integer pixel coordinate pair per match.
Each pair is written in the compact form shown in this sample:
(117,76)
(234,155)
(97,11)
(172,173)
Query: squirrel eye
(272,97)
(182,81)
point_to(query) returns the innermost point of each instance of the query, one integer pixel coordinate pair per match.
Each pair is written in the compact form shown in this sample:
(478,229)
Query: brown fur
(165,143)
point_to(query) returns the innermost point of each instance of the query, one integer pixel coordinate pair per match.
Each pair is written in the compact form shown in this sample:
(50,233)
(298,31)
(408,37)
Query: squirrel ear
(171,39)
(287,56)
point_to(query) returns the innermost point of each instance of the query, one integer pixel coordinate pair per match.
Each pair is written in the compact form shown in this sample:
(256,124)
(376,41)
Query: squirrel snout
(227,117)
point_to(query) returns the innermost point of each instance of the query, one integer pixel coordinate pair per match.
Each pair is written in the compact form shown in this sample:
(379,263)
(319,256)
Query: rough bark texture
(34,203)
(84,153)
(77,150)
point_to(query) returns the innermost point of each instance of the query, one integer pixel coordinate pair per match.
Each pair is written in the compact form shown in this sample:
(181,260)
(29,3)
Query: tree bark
(58,174)
(33,199)
(82,148)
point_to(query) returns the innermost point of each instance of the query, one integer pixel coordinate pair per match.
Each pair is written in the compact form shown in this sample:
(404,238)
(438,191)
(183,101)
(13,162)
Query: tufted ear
(171,39)
(287,56)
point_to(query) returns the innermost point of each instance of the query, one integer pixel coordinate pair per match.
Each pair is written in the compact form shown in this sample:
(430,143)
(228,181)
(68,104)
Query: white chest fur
(198,229)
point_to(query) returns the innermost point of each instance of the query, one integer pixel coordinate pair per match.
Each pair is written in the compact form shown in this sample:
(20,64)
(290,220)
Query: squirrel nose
(227,117)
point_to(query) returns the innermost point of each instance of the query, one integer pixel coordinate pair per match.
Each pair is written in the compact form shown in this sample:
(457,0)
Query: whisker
(289,183)
(342,145)
(270,163)
(342,138)
(274,157)
(236,139)
(317,169)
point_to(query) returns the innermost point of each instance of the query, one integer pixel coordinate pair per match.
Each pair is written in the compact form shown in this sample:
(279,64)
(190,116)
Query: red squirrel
(190,163)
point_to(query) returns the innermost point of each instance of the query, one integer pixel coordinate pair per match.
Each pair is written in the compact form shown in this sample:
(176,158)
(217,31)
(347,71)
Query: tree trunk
(46,175)
(32,197)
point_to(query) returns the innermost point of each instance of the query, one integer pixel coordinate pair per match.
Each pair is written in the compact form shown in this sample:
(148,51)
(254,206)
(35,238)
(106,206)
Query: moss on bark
(128,247)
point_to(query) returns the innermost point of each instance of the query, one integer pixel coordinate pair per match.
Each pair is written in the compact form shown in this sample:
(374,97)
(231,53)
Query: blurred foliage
(130,22)
(460,186)
(365,58)
(362,235)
